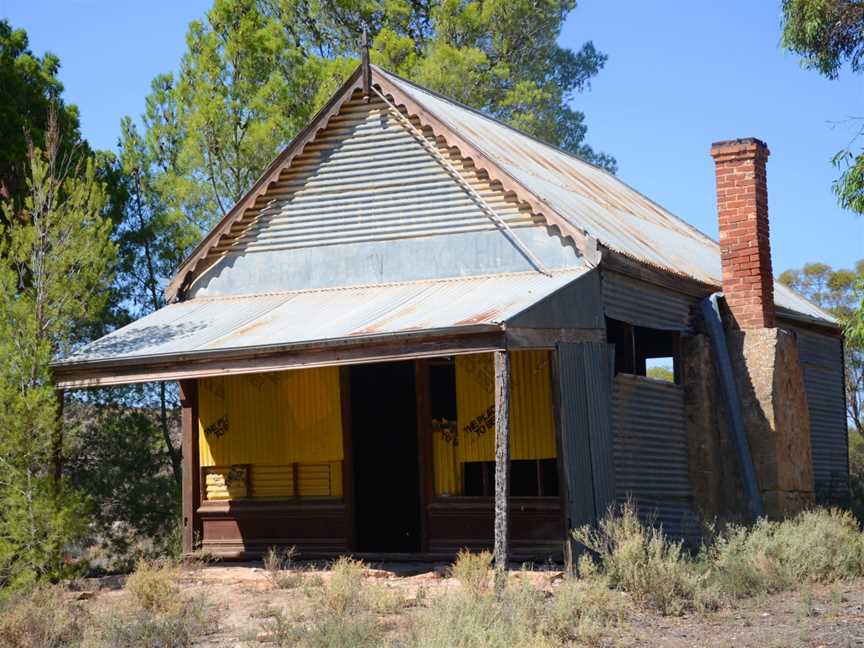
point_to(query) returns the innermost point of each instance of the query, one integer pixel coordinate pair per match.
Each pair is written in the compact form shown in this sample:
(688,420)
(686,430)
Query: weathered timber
(502,465)
(191,465)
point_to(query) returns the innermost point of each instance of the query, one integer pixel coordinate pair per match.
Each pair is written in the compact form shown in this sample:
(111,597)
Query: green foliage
(280,569)
(118,458)
(840,293)
(31,90)
(55,261)
(473,571)
(828,34)
(256,71)
(661,372)
(640,559)
(856,473)
(153,586)
(818,546)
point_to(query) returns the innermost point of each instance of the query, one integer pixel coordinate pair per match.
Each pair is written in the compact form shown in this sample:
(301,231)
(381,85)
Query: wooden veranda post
(191,464)
(502,466)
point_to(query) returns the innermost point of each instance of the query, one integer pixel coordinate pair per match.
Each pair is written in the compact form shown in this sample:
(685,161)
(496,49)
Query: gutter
(714,325)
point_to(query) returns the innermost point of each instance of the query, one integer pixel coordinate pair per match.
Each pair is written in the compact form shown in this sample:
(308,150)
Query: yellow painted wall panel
(532,416)
(273,420)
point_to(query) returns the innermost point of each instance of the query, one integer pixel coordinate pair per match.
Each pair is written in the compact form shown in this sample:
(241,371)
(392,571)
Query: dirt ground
(817,617)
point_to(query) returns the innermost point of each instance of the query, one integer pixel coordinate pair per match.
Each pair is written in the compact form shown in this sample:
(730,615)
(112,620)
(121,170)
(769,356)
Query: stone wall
(770,384)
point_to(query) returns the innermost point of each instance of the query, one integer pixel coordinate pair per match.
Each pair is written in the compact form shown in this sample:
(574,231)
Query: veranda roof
(179,339)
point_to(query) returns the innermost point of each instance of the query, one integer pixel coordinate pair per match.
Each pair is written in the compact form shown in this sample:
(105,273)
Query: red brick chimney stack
(745,247)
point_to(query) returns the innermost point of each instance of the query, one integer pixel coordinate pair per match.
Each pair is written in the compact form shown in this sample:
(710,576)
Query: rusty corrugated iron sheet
(591,199)
(259,321)
(651,453)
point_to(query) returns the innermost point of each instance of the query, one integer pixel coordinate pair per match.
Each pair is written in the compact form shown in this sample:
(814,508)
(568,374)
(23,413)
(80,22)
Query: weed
(153,586)
(808,609)
(41,618)
(821,545)
(179,625)
(584,609)
(641,560)
(381,599)
(473,571)
(279,567)
(342,612)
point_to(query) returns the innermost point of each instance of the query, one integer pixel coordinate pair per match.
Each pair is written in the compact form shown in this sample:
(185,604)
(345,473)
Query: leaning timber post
(502,466)
(191,477)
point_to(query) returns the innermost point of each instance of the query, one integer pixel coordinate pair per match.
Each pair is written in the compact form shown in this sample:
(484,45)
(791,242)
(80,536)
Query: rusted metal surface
(257,321)
(821,357)
(651,452)
(644,304)
(589,198)
(372,199)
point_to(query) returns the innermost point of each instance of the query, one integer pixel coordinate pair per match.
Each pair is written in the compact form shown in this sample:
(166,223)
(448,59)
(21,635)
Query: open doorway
(386,467)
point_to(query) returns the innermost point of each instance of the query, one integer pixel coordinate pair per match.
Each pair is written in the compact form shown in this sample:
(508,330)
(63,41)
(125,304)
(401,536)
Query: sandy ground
(821,616)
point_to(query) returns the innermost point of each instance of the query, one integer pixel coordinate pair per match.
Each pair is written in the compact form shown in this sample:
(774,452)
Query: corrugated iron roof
(277,319)
(591,199)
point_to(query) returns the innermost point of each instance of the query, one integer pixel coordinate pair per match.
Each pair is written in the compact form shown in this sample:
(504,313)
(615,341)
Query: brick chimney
(745,248)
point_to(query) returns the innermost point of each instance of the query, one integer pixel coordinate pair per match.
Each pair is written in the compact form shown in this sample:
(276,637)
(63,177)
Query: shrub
(583,610)
(641,560)
(821,545)
(153,585)
(341,615)
(342,591)
(179,625)
(279,567)
(41,618)
(473,571)
(470,620)
(354,631)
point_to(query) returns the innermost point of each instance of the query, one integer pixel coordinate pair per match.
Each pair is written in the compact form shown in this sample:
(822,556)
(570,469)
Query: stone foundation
(770,384)
(718,492)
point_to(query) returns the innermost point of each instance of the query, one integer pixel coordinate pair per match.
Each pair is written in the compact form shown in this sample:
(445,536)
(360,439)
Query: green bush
(473,571)
(153,586)
(342,613)
(157,613)
(822,545)
(180,624)
(640,559)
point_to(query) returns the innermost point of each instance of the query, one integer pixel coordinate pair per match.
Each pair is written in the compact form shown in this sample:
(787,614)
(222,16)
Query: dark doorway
(386,468)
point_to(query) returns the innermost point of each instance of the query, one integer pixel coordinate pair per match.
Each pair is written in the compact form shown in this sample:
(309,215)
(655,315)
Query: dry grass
(473,571)
(818,546)
(156,613)
(280,568)
(642,561)
(41,618)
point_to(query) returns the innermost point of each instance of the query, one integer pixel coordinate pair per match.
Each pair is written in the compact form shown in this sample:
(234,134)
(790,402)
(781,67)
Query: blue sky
(680,75)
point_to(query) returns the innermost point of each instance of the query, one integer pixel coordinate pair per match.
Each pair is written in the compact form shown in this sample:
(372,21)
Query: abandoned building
(417,307)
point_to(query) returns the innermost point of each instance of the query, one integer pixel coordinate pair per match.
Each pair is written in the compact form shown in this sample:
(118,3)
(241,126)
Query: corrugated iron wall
(533,423)
(584,375)
(364,182)
(644,304)
(651,452)
(270,422)
(822,359)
